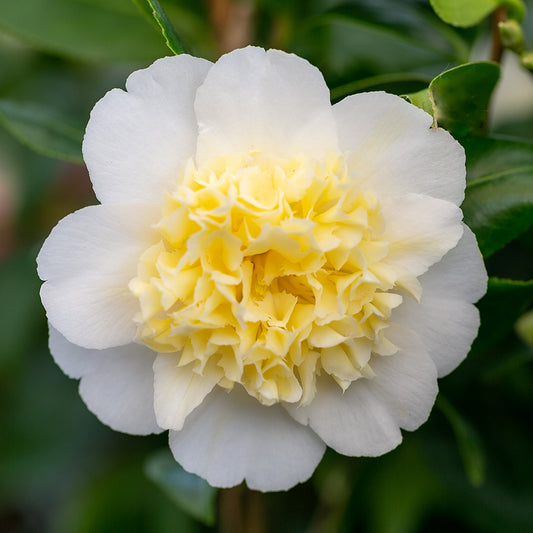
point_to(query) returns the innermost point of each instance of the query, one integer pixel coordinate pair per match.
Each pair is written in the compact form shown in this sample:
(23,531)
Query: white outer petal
(356,422)
(116,384)
(232,437)
(393,149)
(137,141)
(445,319)
(407,380)
(365,420)
(87,262)
(461,272)
(73,360)
(272,102)
(420,230)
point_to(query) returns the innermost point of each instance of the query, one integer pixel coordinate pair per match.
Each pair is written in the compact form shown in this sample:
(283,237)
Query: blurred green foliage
(468,469)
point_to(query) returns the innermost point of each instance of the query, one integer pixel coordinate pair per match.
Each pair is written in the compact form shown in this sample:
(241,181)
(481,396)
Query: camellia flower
(266,274)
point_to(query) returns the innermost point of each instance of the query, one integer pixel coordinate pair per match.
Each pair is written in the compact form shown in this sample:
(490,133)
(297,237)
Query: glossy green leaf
(87,29)
(191,493)
(470,447)
(461,97)
(169,33)
(42,130)
(422,100)
(463,13)
(499,192)
(505,301)
(488,155)
(498,207)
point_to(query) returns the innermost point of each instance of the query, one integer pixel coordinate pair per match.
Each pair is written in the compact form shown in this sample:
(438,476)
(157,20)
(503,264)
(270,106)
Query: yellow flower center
(270,272)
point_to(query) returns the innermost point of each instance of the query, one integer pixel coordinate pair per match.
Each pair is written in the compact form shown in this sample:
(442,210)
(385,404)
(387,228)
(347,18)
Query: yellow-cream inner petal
(274,271)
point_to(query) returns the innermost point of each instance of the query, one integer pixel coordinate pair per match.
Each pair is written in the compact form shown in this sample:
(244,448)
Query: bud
(526,59)
(511,35)
(524,328)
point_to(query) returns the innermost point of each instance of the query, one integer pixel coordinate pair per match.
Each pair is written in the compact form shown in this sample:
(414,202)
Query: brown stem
(241,511)
(497,48)
(230,514)
(232,21)
(255,512)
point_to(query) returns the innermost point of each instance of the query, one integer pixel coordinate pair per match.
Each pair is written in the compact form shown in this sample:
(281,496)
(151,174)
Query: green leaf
(505,301)
(463,13)
(169,33)
(499,191)
(488,155)
(88,29)
(422,100)
(470,447)
(498,207)
(190,492)
(42,130)
(461,96)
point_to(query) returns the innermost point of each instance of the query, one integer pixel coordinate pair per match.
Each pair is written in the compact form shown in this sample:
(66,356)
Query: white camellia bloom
(266,274)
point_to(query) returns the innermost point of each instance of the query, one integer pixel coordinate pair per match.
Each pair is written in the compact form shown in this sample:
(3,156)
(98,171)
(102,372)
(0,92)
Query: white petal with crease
(270,102)
(88,261)
(138,141)
(357,422)
(407,380)
(445,319)
(116,384)
(394,150)
(365,420)
(420,230)
(461,272)
(231,438)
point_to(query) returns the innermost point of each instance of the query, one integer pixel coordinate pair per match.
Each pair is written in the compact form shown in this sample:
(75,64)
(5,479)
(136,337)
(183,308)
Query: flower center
(270,273)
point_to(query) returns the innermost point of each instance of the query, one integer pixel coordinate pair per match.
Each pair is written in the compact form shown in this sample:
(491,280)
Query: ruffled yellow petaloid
(273,272)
